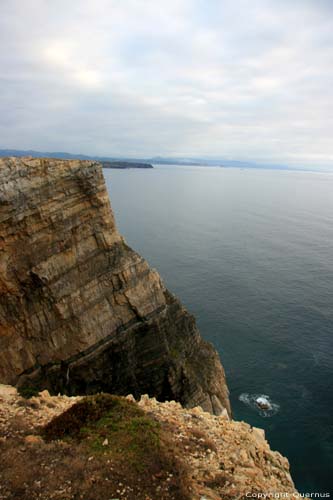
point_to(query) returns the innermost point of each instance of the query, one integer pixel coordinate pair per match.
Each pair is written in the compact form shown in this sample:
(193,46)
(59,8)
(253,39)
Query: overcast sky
(240,79)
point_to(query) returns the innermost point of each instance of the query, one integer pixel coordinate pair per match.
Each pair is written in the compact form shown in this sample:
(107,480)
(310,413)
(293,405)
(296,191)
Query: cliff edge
(131,451)
(80,311)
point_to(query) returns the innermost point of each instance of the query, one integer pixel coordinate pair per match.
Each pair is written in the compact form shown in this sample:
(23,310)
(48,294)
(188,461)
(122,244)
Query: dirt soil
(139,451)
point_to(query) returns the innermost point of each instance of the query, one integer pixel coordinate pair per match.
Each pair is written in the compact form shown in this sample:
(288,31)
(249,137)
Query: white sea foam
(257,401)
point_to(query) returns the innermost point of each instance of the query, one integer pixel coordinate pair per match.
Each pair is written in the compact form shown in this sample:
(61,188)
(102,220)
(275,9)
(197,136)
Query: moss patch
(28,391)
(103,447)
(110,427)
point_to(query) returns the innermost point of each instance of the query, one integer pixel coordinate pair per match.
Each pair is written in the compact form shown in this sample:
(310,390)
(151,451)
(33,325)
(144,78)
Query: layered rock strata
(80,311)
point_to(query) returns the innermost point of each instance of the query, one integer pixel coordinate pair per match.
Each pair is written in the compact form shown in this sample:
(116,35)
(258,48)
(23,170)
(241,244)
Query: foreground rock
(80,311)
(214,458)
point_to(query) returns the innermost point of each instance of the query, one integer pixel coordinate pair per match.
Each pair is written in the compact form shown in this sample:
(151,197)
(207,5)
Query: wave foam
(261,403)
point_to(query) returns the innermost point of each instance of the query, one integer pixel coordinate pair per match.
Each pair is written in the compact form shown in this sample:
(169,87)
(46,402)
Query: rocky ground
(213,458)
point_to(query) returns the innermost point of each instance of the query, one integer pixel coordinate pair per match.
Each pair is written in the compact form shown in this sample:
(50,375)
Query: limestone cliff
(80,311)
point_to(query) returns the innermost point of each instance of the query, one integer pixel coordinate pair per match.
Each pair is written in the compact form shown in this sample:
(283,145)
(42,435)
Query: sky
(236,79)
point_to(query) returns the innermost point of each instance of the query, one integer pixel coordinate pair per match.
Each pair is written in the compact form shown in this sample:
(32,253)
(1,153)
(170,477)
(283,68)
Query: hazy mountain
(212,162)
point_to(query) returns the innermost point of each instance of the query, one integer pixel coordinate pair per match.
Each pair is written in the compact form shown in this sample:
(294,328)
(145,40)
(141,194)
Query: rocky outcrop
(216,458)
(80,311)
(226,459)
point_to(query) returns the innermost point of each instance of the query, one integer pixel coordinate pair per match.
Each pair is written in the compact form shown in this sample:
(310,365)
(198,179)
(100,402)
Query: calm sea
(250,253)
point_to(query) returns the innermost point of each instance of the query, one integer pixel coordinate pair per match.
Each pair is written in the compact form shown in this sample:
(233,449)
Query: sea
(249,252)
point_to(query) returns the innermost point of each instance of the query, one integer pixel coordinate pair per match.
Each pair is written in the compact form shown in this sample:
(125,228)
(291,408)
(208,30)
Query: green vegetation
(28,391)
(111,425)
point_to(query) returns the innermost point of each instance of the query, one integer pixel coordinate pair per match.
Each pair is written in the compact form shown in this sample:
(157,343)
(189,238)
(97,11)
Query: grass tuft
(27,391)
(131,435)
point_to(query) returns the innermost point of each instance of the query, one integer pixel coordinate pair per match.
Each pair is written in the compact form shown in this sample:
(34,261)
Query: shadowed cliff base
(80,311)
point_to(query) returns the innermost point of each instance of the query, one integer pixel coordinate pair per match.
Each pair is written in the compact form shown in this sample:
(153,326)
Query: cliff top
(211,458)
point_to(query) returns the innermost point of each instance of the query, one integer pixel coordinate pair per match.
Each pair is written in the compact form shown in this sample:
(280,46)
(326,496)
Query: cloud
(185,77)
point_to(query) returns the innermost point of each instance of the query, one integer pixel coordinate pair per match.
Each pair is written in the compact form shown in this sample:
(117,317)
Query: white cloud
(65,58)
(143,77)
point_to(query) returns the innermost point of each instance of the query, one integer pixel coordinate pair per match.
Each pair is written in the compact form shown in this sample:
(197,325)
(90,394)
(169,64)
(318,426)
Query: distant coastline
(106,163)
(125,163)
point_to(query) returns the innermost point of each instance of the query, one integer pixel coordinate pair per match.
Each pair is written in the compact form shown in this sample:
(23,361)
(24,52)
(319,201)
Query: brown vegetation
(103,447)
(107,447)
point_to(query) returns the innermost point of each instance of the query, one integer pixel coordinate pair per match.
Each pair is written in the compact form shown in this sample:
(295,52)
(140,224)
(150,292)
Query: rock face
(80,311)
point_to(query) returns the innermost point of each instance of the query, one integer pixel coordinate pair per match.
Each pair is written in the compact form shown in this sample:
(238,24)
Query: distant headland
(106,162)
(125,162)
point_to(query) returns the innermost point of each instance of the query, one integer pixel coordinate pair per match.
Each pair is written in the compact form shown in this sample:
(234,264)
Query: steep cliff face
(80,311)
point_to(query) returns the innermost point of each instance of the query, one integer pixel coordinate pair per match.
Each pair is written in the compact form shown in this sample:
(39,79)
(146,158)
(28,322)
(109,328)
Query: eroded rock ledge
(80,311)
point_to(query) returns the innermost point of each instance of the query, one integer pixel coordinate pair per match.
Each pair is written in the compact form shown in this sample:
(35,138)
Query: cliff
(80,311)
